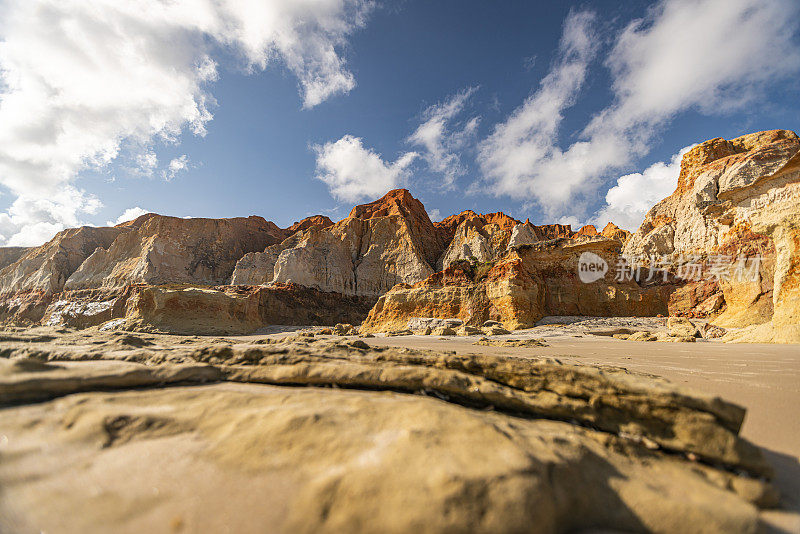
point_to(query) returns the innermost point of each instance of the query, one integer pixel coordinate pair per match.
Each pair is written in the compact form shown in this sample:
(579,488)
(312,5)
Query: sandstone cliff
(528,283)
(738,198)
(476,237)
(378,245)
(160,250)
(46,268)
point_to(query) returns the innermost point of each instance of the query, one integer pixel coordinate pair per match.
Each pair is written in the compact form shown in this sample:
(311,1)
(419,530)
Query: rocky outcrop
(228,310)
(309,222)
(530,282)
(378,245)
(527,233)
(46,268)
(9,255)
(612,231)
(165,250)
(476,237)
(738,199)
(490,444)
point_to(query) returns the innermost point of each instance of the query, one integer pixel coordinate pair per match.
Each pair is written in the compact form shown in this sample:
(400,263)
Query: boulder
(495,331)
(642,336)
(682,327)
(443,331)
(237,310)
(468,331)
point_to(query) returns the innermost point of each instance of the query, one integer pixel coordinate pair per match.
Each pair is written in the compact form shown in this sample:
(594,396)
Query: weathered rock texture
(46,269)
(564,448)
(87,276)
(378,245)
(9,255)
(237,309)
(162,250)
(530,282)
(737,198)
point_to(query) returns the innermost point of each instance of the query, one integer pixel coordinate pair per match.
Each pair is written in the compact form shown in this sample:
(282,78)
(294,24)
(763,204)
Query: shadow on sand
(786,519)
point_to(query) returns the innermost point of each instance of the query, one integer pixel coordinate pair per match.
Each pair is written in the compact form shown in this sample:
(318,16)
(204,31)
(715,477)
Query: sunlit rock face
(380,244)
(528,283)
(738,198)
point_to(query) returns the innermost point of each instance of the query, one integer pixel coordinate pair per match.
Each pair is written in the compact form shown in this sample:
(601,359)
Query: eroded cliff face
(380,244)
(164,250)
(528,283)
(87,276)
(738,198)
(46,268)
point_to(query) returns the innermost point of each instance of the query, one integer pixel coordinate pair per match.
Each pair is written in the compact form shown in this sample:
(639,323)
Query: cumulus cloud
(176,165)
(440,140)
(709,55)
(129,214)
(520,158)
(435,215)
(33,220)
(80,81)
(353,172)
(634,194)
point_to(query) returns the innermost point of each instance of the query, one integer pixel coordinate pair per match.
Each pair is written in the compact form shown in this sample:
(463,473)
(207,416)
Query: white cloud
(634,194)
(571,220)
(145,164)
(33,220)
(353,172)
(81,81)
(710,55)
(129,214)
(440,141)
(519,158)
(175,166)
(435,215)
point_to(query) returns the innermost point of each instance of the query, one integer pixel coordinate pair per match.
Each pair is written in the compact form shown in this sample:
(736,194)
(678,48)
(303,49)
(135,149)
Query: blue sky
(543,106)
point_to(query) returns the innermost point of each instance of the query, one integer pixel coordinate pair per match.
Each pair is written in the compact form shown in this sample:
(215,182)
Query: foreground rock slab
(485,444)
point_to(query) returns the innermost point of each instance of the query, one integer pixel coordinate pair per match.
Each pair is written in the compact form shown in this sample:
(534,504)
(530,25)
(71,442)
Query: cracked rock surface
(156,433)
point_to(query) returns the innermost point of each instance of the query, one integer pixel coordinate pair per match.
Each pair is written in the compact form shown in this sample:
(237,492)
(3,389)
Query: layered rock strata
(738,199)
(559,447)
(530,282)
(389,241)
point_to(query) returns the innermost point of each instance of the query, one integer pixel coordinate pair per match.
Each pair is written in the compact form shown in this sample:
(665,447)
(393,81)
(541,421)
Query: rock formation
(161,250)
(87,276)
(738,198)
(378,245)
(46,268)
(530,282)
(489,444)
(476,237)
(228,310)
